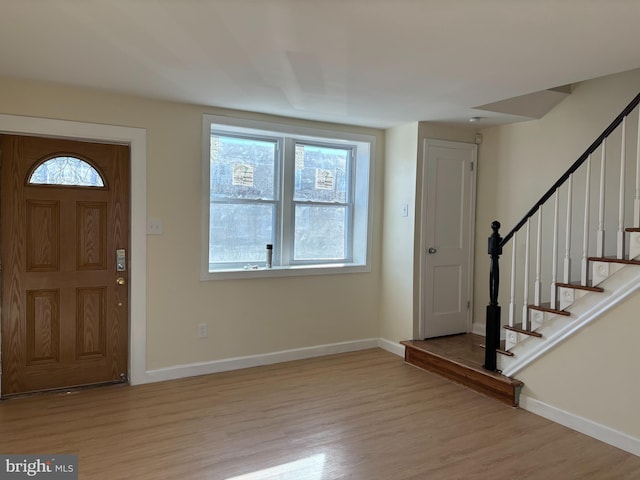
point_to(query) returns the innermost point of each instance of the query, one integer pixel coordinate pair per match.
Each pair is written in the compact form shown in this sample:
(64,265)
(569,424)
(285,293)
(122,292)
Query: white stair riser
(603,270)
(566,296)
(512,339)
(536,319)
(634,245)
(502,361)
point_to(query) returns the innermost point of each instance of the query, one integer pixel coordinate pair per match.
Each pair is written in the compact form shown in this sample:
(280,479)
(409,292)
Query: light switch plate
(154,226)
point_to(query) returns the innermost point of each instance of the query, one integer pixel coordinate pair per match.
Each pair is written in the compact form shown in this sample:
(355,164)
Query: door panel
(64,318)
(446,290)
(449,187)
(43,327)
(43,236)
(91,322)
(91,235)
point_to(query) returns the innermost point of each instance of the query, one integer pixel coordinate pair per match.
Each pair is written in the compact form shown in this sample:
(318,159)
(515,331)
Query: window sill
(290,271)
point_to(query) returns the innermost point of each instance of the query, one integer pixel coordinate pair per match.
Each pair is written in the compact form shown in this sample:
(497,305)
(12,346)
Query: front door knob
(432,250)
(120,281)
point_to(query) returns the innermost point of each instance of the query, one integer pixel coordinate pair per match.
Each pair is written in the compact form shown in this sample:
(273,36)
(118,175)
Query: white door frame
(423,226)
(136,138)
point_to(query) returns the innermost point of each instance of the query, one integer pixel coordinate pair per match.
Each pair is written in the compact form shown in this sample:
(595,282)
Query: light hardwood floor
(363,415)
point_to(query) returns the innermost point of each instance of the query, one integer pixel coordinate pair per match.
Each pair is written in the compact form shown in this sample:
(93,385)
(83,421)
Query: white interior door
(448,217)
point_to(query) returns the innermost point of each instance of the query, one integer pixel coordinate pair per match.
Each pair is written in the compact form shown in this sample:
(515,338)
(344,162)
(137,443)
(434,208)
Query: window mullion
(287,217)
(349,233)
(278,220)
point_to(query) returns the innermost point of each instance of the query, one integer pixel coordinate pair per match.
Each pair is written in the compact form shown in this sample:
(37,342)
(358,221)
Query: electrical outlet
(202,330)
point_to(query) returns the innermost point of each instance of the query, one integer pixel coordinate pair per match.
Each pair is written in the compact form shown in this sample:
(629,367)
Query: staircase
(572,257)
(612,280)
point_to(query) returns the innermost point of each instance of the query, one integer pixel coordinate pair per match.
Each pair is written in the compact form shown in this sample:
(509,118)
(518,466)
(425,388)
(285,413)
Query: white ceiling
(376,63)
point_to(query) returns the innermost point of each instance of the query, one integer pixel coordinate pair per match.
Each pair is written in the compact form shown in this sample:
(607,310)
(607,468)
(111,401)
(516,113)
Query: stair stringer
(557,328)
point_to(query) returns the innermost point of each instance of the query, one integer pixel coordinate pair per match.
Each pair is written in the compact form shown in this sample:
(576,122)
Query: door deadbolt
(121,260)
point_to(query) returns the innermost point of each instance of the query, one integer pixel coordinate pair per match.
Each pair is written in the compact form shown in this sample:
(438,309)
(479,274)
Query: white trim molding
(136,138)
(479,329)
(237,363)
(394,347)
(580,424)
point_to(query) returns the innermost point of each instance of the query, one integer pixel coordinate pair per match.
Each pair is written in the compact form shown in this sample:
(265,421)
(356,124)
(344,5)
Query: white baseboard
(393,347)
(598,431)
(236,363)
(478,328)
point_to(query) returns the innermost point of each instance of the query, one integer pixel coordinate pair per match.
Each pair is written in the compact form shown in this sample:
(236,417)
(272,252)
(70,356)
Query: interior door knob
(120,281)
(432,250)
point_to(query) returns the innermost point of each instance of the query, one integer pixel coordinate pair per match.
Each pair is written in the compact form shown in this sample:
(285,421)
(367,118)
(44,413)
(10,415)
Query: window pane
(320,232)
(239,232)
(321,174)
(69,171)
(242,168)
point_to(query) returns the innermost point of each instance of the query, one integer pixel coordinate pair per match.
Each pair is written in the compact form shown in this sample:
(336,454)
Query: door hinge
(468,304)
(471,165)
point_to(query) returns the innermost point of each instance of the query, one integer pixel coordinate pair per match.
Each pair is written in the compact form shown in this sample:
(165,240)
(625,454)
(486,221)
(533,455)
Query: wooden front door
(64,217)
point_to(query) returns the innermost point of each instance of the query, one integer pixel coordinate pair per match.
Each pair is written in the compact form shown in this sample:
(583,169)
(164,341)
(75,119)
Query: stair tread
(546,307)
(578,286)
(624,260)
(518,328)
(500,350)
(505,352)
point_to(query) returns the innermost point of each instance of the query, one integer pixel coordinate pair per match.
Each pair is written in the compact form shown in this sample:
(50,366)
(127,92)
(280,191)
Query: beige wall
(396,295)
(595,373)
(400,294)
(592,374)
(245,317)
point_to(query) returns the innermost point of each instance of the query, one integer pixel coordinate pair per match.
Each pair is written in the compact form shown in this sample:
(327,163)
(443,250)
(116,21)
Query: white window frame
(362,197)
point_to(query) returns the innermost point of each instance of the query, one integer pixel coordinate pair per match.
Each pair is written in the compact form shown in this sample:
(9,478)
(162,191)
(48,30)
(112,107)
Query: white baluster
(525,306)
(567,248)
(538,285)
(636,202)
(584,274)
(554,255)
(623,162)
(512,301)
(600,233)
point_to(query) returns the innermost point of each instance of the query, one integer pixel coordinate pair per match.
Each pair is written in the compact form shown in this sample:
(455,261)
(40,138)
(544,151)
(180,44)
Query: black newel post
(492,339)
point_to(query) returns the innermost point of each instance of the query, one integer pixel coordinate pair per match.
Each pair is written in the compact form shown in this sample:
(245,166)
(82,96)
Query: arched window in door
(66,170)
